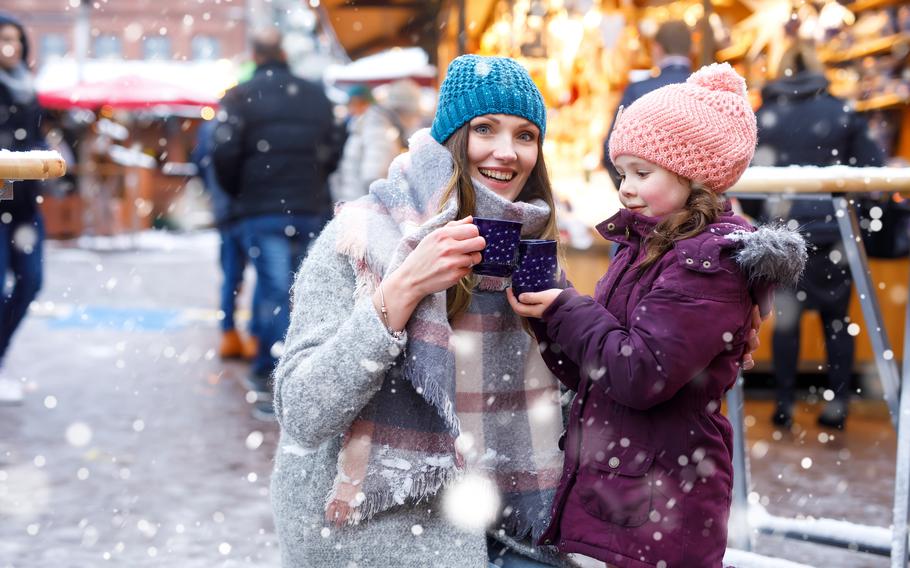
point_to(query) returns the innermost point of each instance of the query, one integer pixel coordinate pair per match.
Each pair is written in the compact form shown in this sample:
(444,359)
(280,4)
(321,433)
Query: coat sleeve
(864,150)
(227,144)
(671,338)
(336,353)
(380,146)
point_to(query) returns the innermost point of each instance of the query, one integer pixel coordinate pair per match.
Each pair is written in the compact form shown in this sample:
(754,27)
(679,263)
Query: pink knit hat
(703,129)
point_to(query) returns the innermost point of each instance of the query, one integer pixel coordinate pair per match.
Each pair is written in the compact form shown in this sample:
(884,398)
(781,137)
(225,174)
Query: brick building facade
(137,29)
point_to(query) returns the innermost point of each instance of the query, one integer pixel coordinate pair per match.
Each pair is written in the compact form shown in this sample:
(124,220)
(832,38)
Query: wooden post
(18,166)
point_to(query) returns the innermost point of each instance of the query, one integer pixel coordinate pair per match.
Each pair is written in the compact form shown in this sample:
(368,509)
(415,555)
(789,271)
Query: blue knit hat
(476,85)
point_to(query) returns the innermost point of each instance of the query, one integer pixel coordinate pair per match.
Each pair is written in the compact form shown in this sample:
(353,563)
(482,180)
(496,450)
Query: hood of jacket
(800,86)
(771,254)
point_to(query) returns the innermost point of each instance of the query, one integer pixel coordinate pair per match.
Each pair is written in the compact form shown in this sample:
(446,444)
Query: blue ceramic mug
(537,266)
(498,257)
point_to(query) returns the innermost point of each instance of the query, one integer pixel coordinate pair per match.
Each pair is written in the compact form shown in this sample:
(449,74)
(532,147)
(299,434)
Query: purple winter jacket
(648,470)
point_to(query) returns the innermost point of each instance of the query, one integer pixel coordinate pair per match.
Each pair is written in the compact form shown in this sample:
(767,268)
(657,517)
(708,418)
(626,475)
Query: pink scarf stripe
(487,322)
(413,440)
(486,402)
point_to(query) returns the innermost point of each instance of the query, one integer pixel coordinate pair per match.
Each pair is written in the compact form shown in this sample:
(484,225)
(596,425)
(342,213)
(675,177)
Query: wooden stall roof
(368,26)
(363,27)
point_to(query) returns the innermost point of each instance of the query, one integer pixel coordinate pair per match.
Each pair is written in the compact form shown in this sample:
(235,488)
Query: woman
(401,369)
(21,223)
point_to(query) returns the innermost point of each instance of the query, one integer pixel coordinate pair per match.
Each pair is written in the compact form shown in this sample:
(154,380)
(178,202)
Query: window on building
(107,47)
(53,46)
(156,47)
(205,48)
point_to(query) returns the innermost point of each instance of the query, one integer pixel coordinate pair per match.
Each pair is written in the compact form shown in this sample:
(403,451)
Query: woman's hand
(748,362)
(443,257)
(439,261)
(532,304)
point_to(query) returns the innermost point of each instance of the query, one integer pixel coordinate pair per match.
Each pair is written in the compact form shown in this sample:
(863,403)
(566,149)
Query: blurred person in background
(274,147)
(360,98)
(670,52)
(232,254)
(21,225)
(801,123)
(375,138)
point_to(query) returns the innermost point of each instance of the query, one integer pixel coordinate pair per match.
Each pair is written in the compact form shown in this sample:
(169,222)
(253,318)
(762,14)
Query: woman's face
(502,152)
(649,189)
(10,47)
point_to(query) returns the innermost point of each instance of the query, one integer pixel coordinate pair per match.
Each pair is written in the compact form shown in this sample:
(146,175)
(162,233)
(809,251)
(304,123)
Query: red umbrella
(125,92)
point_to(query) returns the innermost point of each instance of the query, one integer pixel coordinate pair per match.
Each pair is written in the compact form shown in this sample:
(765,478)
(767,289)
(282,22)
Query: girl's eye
(482,129)
(526,136)
(642,175)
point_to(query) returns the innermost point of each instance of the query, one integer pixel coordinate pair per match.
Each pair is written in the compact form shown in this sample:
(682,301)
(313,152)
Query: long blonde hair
(701,209)
(458,297)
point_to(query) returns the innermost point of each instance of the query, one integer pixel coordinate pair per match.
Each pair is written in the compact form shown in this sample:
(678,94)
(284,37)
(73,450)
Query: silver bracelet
(385,316)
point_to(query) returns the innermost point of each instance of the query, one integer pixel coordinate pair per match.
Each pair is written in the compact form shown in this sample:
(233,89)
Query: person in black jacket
(670,52)
(801,123)
(21,225)
(274,148)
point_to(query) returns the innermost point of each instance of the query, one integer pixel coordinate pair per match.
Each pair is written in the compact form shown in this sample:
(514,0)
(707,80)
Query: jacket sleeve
(671,339)
(864,150)
(380,146)
(227,145)
(336,353)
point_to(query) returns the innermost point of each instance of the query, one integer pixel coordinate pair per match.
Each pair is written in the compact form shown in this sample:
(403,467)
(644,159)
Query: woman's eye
(482,129)
(526,136)
(643,175)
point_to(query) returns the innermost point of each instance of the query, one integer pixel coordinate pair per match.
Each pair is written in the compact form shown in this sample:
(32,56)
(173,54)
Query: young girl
(648,476)
(395,349)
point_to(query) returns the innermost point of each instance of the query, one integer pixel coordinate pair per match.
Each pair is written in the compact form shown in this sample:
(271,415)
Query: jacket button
(610,226)
(548,541)
(690,261)
(614,462)
(706,264)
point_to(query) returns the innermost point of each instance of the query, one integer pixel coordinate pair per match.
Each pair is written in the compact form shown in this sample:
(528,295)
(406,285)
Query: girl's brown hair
(702,208)
(458,297)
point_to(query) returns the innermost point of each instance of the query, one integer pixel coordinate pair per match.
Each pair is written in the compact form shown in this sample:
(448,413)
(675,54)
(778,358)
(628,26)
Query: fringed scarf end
(424,486)
(437,397)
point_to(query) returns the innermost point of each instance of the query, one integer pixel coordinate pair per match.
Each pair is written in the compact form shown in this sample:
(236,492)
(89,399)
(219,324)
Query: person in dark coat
(801,123)
(21,224)
(648,475)
(232,253)
(670,52)
(275,146)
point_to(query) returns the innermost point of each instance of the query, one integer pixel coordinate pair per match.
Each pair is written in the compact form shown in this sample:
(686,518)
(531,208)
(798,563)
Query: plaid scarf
(504,403)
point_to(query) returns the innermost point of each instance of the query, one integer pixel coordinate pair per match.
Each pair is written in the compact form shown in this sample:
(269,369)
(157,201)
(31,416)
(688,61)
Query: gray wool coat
(336,355)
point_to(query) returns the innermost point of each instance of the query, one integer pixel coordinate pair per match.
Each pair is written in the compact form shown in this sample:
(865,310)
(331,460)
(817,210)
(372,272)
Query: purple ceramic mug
(498,257)
(537,268)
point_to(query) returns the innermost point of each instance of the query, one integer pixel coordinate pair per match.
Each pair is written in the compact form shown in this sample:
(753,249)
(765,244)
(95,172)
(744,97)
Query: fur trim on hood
(772,254)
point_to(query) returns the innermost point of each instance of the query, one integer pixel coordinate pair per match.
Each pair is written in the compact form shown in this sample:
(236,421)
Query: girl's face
(502,152)
(649,189)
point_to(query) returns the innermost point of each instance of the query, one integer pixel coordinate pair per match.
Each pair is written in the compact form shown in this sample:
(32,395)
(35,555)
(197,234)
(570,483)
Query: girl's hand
(532,304)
